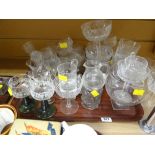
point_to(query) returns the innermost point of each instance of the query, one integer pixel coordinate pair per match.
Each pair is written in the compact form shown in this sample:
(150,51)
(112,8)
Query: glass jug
(68,72)
(93,82)
(68,85)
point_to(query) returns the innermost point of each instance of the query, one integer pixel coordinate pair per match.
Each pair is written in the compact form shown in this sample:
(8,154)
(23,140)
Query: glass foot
(69,108)
(148,129)
(27,105)
(117,106)
(46,110)
(89,106)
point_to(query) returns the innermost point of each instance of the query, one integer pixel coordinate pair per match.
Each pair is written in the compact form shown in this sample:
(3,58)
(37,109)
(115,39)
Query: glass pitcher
(68,72)
(68,85)
(93,82)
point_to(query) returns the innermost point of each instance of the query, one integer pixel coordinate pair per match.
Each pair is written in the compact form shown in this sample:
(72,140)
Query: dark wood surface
(5,98)
(105,110)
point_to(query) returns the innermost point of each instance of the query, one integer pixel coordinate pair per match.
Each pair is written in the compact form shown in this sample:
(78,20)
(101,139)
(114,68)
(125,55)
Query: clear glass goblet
(42,89)
(20,89)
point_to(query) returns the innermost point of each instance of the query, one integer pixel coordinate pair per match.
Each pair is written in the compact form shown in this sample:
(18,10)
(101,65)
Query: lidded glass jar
(123,86)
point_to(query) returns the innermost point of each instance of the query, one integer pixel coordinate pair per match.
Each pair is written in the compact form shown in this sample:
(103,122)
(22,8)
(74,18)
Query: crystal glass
(69,71)
(110,41)
(64,47)
(35,56)
(20,89)
(106,53)
(131,67)
(42,89)
(123,94)
(50,60)
(97,31)
(28,47)
(93,81)
(68,85)
(66,51)
(125,48)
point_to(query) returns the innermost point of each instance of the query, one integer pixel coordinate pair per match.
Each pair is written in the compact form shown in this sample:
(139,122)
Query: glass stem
(44,105)
(124,86)
(68,105)
(98,50)
(26,101)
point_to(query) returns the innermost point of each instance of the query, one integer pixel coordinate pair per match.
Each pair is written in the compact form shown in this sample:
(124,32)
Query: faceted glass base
(27,105)
(116,106)
(46,110)
(148,129)
(89,106)
(69,108)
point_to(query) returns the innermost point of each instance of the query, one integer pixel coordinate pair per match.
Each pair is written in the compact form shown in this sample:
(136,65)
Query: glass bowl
(96,30)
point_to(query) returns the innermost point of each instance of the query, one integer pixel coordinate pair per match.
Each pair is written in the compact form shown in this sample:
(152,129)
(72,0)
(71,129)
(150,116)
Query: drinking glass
(20,89)
(97,31)
(131,67)
(125,48)
(42,89)
(106,53)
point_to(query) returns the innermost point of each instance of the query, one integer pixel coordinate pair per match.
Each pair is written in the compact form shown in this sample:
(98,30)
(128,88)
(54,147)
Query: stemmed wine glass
(95,32)
(42,89)
(20,89)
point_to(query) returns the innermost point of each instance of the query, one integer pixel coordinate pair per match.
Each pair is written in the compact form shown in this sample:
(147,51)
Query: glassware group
(127,77)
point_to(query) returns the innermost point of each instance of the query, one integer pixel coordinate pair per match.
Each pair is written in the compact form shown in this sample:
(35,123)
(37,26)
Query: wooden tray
(105,110)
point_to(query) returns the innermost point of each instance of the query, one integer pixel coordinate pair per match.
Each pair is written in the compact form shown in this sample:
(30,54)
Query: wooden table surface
(114,128)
